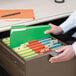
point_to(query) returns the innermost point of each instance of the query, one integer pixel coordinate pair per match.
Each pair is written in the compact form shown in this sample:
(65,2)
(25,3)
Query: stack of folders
(31,41)
(35,47)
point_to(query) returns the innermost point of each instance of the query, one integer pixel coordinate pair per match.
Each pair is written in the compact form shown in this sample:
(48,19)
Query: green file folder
(21,34)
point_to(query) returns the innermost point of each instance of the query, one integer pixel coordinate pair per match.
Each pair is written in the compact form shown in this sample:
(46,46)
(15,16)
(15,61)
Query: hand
(67,54)
(56,30)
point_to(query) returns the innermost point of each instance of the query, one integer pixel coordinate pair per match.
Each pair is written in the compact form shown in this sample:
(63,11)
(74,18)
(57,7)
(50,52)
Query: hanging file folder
(22,34)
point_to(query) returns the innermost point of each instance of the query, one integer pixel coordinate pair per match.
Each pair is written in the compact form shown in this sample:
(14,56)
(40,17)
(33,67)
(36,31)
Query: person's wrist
(61,30)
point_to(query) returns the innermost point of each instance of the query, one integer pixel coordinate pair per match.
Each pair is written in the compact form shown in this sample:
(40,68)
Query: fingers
(58,58)
(52,25)
(61,57)
(49,31)
(66,55)
(61,49)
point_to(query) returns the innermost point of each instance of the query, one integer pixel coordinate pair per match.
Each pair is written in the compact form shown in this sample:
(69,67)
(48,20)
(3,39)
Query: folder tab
(21,34)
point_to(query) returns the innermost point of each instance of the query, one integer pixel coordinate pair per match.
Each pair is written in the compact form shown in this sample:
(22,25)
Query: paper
(24,16)
(26,34)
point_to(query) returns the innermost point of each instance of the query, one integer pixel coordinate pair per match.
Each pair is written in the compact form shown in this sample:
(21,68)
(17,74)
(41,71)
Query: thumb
(48,31)
(51,30)
(60,50)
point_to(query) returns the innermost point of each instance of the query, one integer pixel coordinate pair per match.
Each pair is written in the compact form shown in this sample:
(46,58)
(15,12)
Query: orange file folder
(25,14)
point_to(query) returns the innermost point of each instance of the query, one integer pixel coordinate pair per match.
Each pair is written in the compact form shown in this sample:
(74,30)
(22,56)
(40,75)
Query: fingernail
(45,32)
(56,50)
(51,61)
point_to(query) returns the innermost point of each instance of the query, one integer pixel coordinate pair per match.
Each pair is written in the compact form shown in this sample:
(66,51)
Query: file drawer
(16,65)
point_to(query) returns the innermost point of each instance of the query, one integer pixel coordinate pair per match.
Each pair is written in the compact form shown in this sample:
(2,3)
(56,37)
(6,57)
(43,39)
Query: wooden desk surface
(45,10)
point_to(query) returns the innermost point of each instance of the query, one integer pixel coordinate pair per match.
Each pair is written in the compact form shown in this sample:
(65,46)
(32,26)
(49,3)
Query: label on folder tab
(22,34)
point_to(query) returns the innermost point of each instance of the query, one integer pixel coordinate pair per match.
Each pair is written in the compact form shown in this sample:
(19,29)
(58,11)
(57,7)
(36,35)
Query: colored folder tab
(22,34)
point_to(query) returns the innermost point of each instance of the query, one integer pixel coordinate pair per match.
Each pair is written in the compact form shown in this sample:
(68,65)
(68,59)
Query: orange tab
(37,45)
(40,47)
(32,44)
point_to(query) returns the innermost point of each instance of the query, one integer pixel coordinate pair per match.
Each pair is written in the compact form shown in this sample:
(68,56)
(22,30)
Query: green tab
(22,34)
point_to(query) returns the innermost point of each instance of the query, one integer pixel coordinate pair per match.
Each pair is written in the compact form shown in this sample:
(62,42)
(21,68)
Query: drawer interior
(5,39)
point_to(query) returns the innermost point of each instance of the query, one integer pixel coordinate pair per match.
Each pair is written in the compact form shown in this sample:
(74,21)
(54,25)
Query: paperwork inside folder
(22,34)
